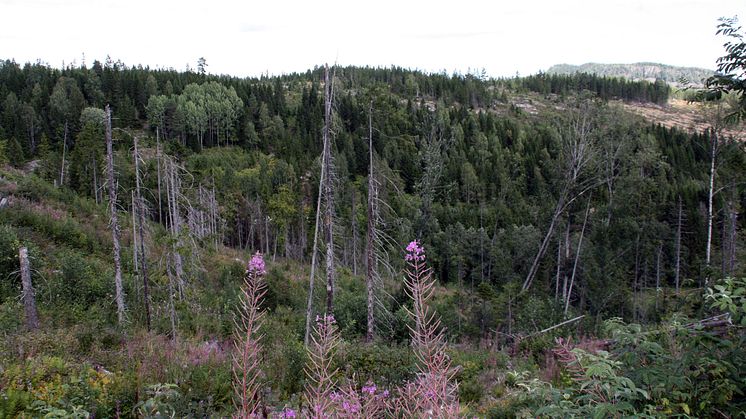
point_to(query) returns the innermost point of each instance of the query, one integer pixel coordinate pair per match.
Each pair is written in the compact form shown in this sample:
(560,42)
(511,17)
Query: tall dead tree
(114,221)
(730,223)
(677,272)
(328,194)
(29,301)
(371,235)
(577,254)
(353,226)
(311,280)
(139,209)
(174,192)
(135,248)
(433,164)
(577,153)
(322,189)
(64,149)
(658,273)
(95,182)
(158,163)
(710,192)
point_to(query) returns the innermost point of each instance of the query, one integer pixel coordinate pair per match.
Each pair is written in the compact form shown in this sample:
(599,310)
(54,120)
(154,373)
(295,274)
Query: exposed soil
(683,115)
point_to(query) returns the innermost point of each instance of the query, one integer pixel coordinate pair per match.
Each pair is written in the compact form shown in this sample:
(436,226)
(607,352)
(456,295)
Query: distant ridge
(637,71)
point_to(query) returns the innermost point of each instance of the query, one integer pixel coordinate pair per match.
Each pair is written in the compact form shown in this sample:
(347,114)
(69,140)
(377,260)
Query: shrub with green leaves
(729,296)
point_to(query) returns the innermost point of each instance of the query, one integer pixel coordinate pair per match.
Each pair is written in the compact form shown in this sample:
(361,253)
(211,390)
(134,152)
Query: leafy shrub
(386,365)
(160,401)
(57,388)
(688,370)
(9,245)
(729,296)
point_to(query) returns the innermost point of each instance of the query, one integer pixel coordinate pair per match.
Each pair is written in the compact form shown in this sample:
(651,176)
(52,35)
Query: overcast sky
(247,38)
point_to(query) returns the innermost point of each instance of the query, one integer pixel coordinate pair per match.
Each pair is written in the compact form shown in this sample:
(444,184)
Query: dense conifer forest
(473,246)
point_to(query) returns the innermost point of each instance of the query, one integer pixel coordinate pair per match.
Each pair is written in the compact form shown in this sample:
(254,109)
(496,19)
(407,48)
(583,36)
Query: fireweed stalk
(433,393)
(246,356)
(319,391)
(366,402)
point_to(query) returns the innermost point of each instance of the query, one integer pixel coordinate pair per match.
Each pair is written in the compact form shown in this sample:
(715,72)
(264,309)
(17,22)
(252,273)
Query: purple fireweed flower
(371,389)
(288,413)
(385,393)
(415,252)
(256,265)
(430,394)
(350,407)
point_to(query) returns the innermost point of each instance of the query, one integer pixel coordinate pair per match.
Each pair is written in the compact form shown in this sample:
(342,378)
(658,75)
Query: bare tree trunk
(174,191)
(577,254)
(171,306)
(708,252)
(353,223)
(114,220)
(140,209)
(329,196)
(732,223)
(565,274)
(658,274)
(729,238)
(557,276)
(214,212)
(266,236)
(371,239)
(95,181)
(158,162)
(29,301)
(134,233)
(309,307)
(545,243)
(637,278)
(64,149)
(677,274)
(482,234)
(577,151)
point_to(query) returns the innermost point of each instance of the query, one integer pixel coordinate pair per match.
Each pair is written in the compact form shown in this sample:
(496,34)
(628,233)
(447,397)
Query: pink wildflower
(415,252)
(256,265)
(288,413)
(371,389)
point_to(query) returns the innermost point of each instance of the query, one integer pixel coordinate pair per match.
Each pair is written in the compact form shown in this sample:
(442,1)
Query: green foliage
(598,390)
(9,245)
(731,67)
(385,365)
(729,296)
(470,166)
(603,86)
(686,370)
(58,227)
(50,386)
(14,153)
(160,401)
(3,151)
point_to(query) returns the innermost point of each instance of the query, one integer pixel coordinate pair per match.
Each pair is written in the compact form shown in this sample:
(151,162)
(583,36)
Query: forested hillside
(536,200)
